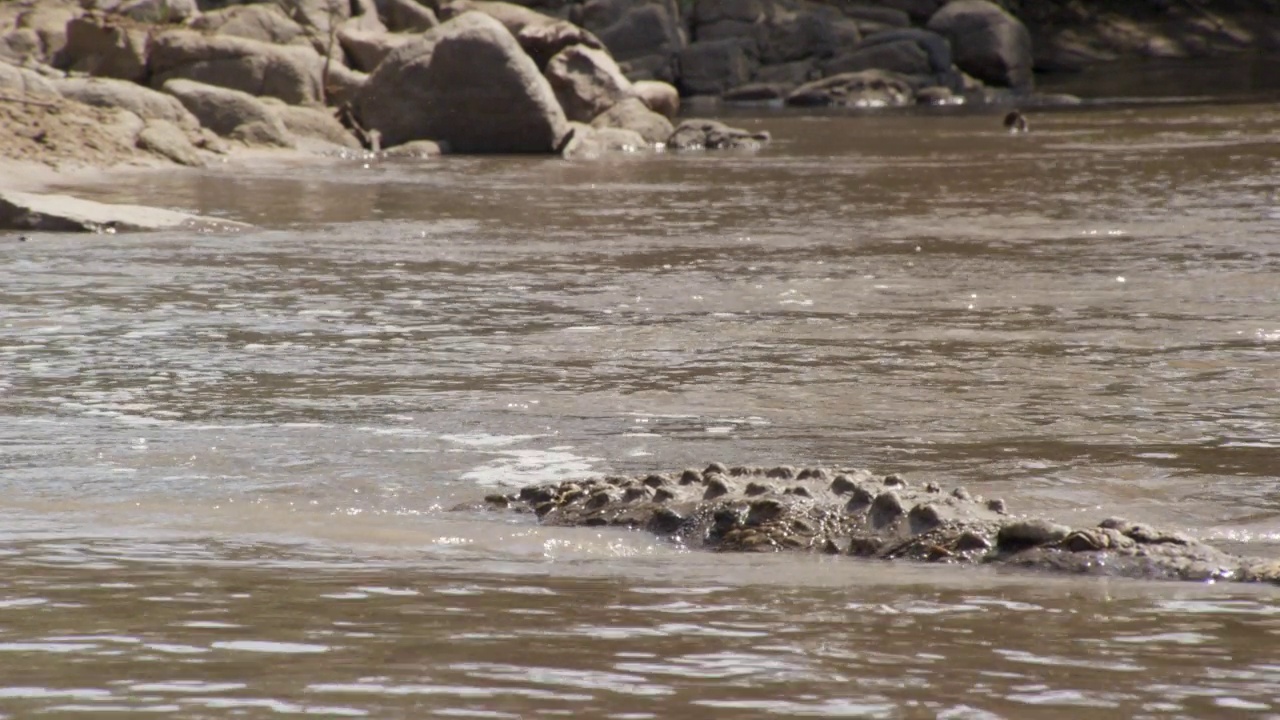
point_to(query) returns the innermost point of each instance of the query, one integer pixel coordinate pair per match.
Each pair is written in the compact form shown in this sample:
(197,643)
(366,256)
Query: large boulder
(658,96)
(44,26)
(25,83)
(292,73)
(988,43)
(261,22)
(142,101)
(103,46)
(866,89)
(167,140)
(231,113)
(644,36)
(633,114)
(907,51)
(541,36)
(430,90)
(587,82)
(368,49)
(312,123)
(710,68)
(805,30)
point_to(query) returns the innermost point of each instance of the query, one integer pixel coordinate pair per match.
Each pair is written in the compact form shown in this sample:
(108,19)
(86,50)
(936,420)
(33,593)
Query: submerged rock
(63,213)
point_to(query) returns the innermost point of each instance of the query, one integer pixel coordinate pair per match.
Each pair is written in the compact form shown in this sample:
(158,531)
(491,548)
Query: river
(228,462)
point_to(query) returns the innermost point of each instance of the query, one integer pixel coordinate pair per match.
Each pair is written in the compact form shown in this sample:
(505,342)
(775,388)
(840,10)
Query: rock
(106,47)
(169,141)
(658,96)
(586,81)
(710,68)
(789,74)
(416,149)
(321,16)
(159,12)
(988,43)
(707,12)
(918,10)
(231,113)
(588,142)
(644,36)
(142,101)
(934,45)
(426,90)
(869,88)
(811,30)
(313,122)
(545,41)
(262,22)
(697,134)
(540,36)
(880,16)
(902,56)
(367,49)
(48,22)
(633,114)
(290,73)
(63,213)
(20,46)
(752,93)
(25,83)
(406,16)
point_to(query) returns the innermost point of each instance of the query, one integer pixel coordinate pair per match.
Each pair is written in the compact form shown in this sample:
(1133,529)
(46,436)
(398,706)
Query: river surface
(228,461)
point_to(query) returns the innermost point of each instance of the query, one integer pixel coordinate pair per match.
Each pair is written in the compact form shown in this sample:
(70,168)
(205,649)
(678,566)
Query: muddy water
(227,461)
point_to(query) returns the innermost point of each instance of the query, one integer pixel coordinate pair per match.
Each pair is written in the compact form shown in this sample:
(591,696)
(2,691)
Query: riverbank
(159,83)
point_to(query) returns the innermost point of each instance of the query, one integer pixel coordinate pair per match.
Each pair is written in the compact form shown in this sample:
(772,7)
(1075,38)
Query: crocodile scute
(854,512)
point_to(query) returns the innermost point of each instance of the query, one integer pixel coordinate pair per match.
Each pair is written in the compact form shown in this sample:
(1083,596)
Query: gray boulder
(540,36)
(658,96)
(698,134)
(261,22)
(106,47)
(588,142)
(63,213)
(42,30)
(908,52)
(644,36)
(988,43)
(866,89)
(918,10)
(406,16)
(25,83)
(805,30)
(710,68)
(290,73)
(633,114)
(231,113)
(427,90)
(314,123)
(167,140)
(586,81)
(367,49)
(142,101)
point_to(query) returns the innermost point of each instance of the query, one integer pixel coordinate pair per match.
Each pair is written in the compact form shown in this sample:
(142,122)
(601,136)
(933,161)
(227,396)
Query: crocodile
(854,512)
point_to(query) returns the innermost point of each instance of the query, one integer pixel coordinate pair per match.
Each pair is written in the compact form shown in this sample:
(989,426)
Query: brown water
(226,461)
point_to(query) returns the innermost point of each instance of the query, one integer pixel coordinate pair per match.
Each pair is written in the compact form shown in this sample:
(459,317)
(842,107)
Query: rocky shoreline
(108,83)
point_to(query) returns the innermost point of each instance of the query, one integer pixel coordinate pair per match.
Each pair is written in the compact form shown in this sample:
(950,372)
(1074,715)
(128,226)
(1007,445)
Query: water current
(227,461)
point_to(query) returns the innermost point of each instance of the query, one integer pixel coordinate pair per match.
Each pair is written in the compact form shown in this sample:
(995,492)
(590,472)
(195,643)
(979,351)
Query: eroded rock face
(843,511)
(427,90)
